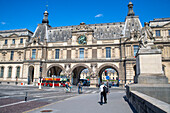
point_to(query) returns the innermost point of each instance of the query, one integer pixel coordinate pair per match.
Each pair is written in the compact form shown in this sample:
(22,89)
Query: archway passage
(55,70)
(31,75)
(76,74)
(85,77)
(109,73)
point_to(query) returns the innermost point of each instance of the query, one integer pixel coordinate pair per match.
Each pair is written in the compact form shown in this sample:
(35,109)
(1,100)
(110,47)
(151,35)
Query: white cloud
(3,23)
(99,15)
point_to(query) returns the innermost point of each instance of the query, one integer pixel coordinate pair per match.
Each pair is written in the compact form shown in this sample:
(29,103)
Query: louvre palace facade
(25,56)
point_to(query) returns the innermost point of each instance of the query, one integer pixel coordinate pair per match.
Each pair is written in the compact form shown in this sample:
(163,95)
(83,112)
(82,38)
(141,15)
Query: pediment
(13,35)
(166,25)
(35,41)
(1,36)
(82,28)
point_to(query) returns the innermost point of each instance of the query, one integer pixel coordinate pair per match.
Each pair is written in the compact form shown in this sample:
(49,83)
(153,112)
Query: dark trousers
(105,97)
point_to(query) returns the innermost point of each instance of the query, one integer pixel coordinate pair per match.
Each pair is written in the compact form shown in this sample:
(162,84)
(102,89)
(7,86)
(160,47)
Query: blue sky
(18,14)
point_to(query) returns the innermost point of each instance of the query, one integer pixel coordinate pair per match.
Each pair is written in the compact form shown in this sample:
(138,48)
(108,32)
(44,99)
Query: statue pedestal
(149,67)
(93,82)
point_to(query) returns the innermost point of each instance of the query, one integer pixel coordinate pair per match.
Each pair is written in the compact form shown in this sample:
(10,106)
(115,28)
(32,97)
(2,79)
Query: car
(85,82)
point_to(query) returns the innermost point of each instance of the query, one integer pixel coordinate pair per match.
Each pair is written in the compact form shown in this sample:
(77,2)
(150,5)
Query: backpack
(105,89)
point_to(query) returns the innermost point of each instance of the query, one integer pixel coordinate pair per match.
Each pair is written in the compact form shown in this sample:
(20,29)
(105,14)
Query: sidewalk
(88,103)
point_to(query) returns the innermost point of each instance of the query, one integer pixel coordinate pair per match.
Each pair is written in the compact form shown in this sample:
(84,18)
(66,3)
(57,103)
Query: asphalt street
(12,100)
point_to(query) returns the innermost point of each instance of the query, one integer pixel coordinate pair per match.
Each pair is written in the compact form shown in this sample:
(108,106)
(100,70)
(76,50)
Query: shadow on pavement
(133,109)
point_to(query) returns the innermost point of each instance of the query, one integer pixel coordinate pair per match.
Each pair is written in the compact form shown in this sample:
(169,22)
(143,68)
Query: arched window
(18,72)
(2,72)
(9,72)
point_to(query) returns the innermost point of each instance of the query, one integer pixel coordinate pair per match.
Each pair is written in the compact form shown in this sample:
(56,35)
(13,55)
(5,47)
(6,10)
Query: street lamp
(16,80)
(40,83)
(53,81)
(40,77)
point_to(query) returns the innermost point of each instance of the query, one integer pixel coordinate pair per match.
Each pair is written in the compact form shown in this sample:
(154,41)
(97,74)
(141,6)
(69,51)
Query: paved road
(12,99)
(88,103)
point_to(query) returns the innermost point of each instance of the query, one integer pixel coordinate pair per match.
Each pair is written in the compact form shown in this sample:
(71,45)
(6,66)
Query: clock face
(82,39)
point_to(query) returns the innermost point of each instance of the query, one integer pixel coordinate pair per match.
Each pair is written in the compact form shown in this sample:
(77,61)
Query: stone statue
(146,38)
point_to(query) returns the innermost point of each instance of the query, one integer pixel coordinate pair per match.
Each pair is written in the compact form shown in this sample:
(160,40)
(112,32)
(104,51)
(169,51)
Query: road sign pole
(53,81)
(40,84)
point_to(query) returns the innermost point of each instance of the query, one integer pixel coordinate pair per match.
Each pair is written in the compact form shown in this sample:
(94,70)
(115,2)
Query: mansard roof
(63,33)
(18,32)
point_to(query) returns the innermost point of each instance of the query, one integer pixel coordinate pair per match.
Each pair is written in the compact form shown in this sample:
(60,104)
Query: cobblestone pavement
(12,98)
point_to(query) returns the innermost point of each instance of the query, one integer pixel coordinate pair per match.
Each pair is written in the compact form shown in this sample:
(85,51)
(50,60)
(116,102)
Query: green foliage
(88,77)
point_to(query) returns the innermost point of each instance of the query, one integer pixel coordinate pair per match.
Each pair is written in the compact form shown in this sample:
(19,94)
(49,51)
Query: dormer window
(6,41)
(13,41)
(21,41)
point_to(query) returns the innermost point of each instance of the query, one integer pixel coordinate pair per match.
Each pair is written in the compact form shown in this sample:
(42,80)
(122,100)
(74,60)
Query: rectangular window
(94,53)
(12,55)
(21,41)
(57,53)
(169,32)
(158,33)
(33,53)
(9,72)
(6,41)
(108,52)
(81,53)
(13,41)
(18,72)
(2,72)
(68,54)
(135,49)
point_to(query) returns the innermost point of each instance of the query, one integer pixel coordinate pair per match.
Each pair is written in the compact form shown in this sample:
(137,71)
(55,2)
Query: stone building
(71,49)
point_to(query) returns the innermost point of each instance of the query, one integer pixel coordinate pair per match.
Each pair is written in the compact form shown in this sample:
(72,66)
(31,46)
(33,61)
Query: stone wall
(146,104)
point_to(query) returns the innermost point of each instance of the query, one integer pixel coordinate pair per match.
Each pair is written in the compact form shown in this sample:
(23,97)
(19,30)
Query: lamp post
(40,83)
(53,81)
(40,76)
(16,80)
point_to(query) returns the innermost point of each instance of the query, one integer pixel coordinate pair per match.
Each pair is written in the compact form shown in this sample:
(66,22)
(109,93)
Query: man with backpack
(105,90)
(103,93)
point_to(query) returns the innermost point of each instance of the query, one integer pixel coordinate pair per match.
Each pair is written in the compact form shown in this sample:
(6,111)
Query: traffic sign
(107,77)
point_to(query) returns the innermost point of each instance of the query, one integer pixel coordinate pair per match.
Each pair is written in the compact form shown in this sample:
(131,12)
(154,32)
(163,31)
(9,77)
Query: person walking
(101,93)
(79,87)
(105,91)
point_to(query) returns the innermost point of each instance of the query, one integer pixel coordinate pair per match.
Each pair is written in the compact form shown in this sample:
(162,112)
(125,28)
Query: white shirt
(101,88)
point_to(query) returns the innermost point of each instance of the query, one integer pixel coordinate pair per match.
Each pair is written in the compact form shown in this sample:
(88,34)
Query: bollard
(26,97)
(40,86)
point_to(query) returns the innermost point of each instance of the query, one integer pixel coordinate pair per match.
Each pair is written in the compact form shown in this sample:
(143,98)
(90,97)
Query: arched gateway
(55,69)
(105,69)
(75,72)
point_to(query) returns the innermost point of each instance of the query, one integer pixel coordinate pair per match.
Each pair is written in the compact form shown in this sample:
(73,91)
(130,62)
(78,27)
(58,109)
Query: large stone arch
(75,72)
(56,65)
(109,65)
(105,66)
(77,65)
